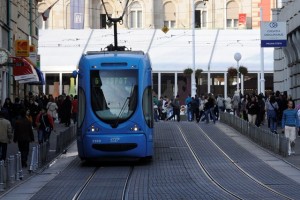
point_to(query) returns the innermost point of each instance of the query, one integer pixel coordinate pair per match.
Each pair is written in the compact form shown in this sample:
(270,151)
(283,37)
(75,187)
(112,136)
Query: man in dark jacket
(23,136)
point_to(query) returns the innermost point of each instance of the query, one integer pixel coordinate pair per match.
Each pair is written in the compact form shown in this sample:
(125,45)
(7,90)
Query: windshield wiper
(115,125)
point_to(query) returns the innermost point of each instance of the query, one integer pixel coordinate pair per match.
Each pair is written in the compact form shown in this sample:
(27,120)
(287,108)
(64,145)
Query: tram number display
(114,139)
(96,141)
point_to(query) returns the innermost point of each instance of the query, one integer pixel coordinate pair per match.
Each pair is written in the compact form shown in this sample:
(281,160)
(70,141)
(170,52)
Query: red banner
(242,18)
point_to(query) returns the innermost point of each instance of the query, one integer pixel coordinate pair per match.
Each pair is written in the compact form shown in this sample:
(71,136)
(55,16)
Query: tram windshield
(114,94)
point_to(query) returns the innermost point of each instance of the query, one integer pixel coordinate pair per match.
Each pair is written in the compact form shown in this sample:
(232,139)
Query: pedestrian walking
(23,135)
(5,135)
(34,110)
(236,99)
(290,122)
(66,111)
(75,109)
(252,107)
(7,109)
(272,110)
(209,109)
(52,108)
(188,101)
(45,125)
(176,109)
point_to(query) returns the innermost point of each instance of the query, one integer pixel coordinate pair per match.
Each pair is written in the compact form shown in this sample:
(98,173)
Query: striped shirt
(290,118)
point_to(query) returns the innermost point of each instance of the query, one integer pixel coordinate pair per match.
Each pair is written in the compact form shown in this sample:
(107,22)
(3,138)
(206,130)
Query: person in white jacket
(228,106)
(6,135)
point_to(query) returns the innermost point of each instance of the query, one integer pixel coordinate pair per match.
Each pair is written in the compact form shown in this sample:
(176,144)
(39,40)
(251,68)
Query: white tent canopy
(61,50)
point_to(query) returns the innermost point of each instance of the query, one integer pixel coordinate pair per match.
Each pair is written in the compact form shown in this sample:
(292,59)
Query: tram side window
(81,106)
(147,106)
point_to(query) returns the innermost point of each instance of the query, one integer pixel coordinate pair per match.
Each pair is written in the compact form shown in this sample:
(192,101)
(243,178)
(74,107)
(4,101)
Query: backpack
(176,104)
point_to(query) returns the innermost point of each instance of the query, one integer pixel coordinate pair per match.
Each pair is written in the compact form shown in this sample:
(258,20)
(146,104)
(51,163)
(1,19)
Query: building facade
(154,15)
(141,14)
(287,59)
(18,21)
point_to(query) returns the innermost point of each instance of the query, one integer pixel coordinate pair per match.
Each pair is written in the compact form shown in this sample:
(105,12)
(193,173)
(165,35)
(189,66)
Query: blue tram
(115,117)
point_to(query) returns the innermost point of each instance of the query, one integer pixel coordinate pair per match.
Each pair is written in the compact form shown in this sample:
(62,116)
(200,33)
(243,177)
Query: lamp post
(193,82)
(237,57)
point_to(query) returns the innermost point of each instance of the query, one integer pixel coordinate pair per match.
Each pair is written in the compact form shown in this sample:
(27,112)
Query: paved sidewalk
(294,159)
(13,149)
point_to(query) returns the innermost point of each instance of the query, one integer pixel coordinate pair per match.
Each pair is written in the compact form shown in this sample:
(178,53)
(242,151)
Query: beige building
(287,59)
(18,21)
(177,14)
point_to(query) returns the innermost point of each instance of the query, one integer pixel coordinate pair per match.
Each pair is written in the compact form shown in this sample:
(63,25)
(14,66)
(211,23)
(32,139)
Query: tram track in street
(203,168)
(89,182)
(211,176)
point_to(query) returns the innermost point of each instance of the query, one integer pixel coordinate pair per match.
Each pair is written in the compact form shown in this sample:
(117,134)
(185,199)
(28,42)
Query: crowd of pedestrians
(18,119)
(276,110)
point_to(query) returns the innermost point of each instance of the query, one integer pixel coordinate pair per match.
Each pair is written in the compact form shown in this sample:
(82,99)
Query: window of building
(52,84)
(169,15)
(201,15)
(232,14)
(167,84)
(135,15)
(103,17)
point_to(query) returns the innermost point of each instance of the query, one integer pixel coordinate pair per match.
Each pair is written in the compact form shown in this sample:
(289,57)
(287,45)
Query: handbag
(47,128)
(276,110)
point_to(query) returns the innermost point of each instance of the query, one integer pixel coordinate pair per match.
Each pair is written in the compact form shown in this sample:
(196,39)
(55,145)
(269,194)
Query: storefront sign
(22,48)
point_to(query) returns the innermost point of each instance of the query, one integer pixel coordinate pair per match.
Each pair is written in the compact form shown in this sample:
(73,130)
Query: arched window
(201,15)
(232,13)
(135,15)
(169,15)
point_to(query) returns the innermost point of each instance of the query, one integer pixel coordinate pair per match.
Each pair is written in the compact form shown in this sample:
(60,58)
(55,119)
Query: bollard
(2,174)
(39,155)
(32,163)
(11,169)
(16,169)
(20,171)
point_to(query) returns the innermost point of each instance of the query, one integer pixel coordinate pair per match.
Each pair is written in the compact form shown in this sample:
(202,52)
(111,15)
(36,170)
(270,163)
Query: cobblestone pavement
(191,161)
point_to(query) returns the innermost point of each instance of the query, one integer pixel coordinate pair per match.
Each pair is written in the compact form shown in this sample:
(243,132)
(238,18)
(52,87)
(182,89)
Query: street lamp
(237,57)
(193,81)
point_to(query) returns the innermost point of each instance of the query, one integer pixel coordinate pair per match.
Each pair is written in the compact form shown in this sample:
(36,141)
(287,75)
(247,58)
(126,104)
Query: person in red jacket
(44,123)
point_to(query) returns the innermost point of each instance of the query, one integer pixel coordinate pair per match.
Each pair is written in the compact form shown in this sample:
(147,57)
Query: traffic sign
(273,34)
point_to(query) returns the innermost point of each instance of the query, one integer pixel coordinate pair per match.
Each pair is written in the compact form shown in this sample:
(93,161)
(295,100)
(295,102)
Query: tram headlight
(135,128)
(93,129)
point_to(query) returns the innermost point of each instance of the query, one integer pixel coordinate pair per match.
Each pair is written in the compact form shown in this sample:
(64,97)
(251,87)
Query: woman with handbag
(45,125)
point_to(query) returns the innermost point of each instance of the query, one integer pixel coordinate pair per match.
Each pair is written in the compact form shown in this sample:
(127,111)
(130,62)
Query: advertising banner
(77,14)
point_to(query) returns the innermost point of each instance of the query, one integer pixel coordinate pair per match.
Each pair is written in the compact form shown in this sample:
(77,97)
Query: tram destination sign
(273,34)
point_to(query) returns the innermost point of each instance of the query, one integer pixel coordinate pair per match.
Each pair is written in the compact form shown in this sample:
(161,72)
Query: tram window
(147,106)
(114,94)
(81,106)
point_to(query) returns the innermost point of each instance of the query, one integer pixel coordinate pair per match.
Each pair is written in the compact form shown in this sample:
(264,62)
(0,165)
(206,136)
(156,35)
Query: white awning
(61,50)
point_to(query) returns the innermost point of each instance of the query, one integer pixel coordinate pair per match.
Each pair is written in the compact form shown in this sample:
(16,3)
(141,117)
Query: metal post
(32,163)
(20,171)
(2,174)
(262,75)
(17,167)
(238,77)
(193,83)
(11,168)
(237,57)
